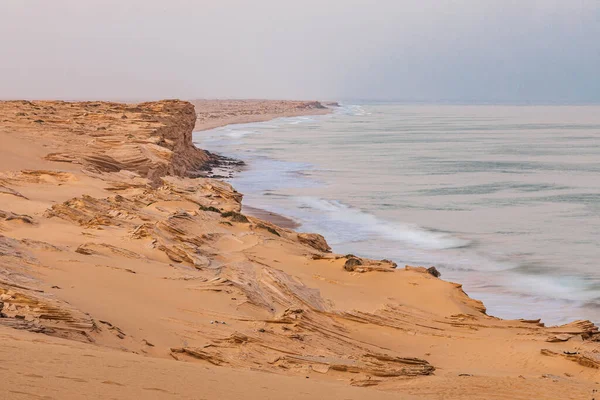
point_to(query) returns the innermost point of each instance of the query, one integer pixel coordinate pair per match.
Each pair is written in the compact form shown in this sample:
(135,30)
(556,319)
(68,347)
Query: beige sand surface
(123,277)
(215,113)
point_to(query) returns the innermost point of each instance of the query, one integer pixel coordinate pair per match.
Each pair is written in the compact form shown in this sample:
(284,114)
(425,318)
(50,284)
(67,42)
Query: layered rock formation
(150,139)
(107,242)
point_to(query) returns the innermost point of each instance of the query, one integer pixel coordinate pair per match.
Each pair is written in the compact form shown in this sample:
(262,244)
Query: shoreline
(282,220)
(216,117)
(147,261)
(505,304)
(220,166)
(224,167)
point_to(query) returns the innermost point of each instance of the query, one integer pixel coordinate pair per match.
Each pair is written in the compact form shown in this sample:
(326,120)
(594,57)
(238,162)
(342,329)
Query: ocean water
(503,199)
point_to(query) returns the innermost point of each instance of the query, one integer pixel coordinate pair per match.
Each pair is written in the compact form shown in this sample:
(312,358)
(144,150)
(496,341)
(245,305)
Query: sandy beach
(126,273)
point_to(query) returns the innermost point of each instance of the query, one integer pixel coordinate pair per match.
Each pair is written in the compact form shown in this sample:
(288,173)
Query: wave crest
(367,224)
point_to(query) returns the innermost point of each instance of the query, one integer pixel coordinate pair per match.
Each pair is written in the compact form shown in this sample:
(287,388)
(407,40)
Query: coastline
(287,155)
(223,167)
(144,259)
(218,113)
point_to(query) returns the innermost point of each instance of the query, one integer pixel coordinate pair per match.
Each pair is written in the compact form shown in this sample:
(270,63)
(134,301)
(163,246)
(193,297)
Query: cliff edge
(151,139)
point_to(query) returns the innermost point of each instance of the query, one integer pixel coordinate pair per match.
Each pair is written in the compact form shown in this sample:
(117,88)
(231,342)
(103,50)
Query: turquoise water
(504,199)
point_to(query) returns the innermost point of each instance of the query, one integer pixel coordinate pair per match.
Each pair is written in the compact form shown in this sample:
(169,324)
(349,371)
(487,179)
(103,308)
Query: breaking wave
(359,223)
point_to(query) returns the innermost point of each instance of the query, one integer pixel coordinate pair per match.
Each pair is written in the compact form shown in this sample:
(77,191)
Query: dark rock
(352,263)
(235,217)
(218,162)
(268,228)
(433,271)
(315,104)
(209,208)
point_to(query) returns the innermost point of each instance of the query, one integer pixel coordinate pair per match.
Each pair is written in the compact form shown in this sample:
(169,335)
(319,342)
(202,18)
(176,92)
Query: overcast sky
(412,50)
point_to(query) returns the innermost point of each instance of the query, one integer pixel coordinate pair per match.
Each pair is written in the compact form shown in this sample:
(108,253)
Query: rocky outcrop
(152,139)
(315,241)
(351,264)
(178,120)
(431,270)
(361,265)
(585,359)
(22,306)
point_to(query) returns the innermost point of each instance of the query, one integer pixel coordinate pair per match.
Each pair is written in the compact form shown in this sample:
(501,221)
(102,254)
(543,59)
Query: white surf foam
(365,224)
(352,110)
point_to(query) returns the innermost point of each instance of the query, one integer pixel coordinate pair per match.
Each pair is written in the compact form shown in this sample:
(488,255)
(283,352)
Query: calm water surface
(504,199)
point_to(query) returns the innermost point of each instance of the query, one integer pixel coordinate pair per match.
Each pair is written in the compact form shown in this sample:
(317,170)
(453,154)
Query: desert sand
(124,273)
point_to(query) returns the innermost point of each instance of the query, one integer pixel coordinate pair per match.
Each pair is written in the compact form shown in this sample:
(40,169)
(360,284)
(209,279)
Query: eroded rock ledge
(151,139)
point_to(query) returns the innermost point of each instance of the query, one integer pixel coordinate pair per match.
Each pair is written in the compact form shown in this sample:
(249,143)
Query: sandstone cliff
(151,139)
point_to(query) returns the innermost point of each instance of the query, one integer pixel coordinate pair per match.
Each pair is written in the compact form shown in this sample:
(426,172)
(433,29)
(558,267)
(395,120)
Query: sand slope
(67,370)
(121,276)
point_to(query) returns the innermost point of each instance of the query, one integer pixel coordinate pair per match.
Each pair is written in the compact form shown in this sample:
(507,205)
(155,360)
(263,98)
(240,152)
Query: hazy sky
(412,50)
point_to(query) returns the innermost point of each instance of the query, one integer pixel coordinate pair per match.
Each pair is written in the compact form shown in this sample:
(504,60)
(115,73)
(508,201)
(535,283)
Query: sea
(503,199)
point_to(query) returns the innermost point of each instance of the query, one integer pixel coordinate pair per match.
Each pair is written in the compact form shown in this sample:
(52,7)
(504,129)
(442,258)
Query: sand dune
(124,274)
